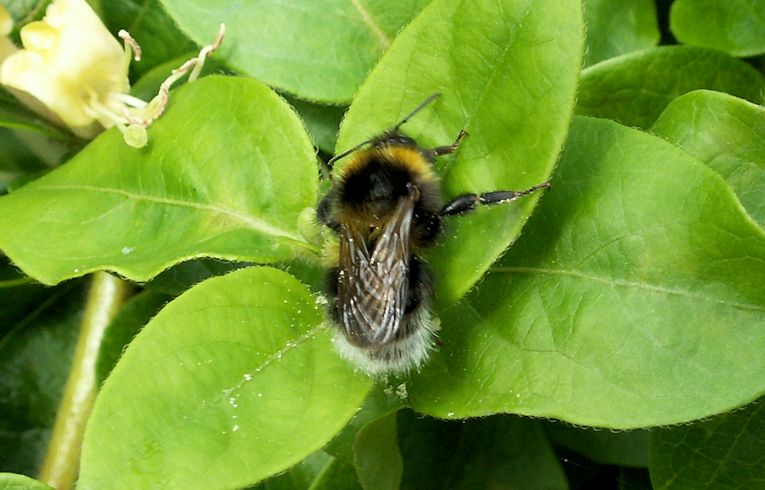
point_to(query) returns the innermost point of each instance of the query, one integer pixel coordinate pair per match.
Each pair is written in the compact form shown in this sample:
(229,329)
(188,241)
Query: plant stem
(105,297)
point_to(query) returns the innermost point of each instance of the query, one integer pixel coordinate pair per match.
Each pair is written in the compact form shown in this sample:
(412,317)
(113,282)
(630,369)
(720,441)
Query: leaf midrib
(248,220)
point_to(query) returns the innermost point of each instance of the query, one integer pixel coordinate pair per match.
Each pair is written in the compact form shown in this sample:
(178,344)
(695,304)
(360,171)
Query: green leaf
(136,313)
(634,479)
(380,403)
(14,115)
(725,133)
(376,455)
(318,51)
(18,295)
(724,452)
(10,481)
(190,193)
(181,277)
(616,28)
(508,75)
(733,27)
(16,159)
(499,452)
(34,356)
(336,476)
(153,29)
(232,382)
(300,476)
(636,284)
(635,88)
(312,274)
(602,446)
(322,122)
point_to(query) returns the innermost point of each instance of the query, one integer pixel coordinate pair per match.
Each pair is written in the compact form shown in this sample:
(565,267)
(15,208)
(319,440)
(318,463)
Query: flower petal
(69,61)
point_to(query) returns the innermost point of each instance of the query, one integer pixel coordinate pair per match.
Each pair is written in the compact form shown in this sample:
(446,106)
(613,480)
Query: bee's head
(393,138)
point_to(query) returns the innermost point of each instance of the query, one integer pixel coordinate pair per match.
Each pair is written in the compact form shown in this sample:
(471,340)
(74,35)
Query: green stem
(12,283)
(105,297)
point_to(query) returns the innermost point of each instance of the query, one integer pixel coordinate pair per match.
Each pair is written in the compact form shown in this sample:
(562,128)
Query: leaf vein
(613,282)
(382,38)
(310,334)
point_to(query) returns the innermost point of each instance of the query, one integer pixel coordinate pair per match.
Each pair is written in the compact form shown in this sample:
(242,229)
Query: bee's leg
(324,211)
(331,290)
(445,150)
(420,289)
(468,202)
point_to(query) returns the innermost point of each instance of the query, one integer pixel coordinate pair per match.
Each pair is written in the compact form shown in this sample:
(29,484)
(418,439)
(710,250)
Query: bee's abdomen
(412,342)
(419,295)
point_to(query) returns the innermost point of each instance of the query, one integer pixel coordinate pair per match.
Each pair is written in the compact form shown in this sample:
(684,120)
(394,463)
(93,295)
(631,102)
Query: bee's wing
(373,286)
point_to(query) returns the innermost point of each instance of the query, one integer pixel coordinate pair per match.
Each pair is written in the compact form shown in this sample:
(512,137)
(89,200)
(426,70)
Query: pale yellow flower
(74,72)
(72,65)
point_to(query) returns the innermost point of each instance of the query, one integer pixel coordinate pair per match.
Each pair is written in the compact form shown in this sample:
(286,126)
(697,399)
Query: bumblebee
(385,207)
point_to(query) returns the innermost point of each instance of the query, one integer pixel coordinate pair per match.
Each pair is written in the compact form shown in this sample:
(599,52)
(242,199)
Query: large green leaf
(726,133)
(16,160)
(226,173)
(633,89)
(232,382)
(316,50)
(376,455)
(735,27)
(615,28)
(34,356)
(724,452)
(499,452)
(18,295)
(508,74)
(628,448)
(14,115)
(632,299)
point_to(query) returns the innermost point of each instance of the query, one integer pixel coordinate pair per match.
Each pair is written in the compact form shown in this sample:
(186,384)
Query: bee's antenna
(395,128)
(347,152)
(417,109)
